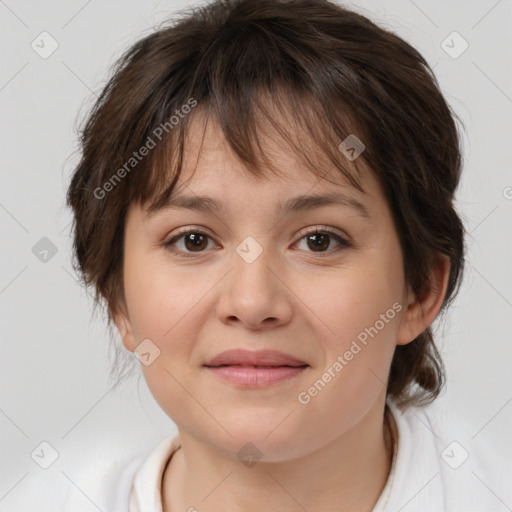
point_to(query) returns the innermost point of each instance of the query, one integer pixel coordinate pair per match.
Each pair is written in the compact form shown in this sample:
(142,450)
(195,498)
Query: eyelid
(323,229)
(342,239)
(181,232)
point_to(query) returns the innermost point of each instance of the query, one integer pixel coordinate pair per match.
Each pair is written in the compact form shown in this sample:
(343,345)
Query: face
(322,284)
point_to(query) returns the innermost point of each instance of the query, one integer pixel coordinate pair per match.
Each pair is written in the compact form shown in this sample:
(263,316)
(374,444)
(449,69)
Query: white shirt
(437,467)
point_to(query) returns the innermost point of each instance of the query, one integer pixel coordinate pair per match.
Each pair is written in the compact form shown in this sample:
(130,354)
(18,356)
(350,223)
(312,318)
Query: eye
(319,239)
(196,241)
(193,239)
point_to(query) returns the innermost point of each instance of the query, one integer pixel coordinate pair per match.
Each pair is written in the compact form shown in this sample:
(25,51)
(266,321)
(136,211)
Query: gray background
(54,360)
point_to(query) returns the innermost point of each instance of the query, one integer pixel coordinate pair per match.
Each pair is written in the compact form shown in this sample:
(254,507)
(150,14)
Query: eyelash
(317,231)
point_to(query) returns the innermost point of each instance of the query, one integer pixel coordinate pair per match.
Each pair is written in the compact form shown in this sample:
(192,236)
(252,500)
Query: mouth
(260,358)
(255,368)
(255,376)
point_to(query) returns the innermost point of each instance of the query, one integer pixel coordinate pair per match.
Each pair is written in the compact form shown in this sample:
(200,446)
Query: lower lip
(256,377)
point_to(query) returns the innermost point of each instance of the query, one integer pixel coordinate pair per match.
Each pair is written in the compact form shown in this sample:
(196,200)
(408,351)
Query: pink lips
(254,358)
(255,368)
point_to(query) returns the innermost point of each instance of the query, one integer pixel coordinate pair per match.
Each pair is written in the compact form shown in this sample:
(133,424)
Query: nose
(255,294)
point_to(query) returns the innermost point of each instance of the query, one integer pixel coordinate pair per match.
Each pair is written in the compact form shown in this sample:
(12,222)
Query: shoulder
(108,481)
(138,485)
(103,480)
(441,465)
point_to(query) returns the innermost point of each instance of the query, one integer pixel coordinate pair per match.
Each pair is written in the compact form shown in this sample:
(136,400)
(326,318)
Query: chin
(268,440)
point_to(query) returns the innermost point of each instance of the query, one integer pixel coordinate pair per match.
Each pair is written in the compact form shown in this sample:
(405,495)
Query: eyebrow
(295,204)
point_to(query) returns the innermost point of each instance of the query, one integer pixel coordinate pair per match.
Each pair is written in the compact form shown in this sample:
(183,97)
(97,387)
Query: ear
(124,326)
(421,313)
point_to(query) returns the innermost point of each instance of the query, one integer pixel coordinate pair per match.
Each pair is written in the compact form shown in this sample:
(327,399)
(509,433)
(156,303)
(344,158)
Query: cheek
(164,305)
(159,298)
(357,357)
(357,311)
(350,300)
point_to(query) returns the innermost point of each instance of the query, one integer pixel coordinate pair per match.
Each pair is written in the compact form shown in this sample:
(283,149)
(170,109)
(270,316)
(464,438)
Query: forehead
(215,182)
(229,191)
(288,163)
(209,160)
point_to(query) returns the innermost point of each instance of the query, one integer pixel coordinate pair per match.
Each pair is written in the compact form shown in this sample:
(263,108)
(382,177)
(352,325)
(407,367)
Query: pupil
(317,245)
(318,241)
(196,240)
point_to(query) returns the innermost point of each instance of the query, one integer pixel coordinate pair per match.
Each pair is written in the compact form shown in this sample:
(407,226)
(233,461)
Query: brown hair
(330,72)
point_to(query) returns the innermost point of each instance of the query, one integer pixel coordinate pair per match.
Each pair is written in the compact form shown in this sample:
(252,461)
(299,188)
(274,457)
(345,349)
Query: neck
(348,473)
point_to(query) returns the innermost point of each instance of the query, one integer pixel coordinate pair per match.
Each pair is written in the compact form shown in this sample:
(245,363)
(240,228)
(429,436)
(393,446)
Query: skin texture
(329,454)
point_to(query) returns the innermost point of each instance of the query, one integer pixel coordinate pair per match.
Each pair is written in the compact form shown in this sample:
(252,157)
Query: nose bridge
(253,292)
(252,268)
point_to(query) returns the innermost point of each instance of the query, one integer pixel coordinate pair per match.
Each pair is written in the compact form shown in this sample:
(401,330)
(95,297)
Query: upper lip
(254,358)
